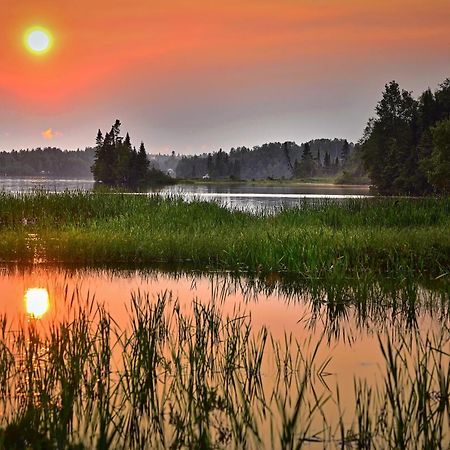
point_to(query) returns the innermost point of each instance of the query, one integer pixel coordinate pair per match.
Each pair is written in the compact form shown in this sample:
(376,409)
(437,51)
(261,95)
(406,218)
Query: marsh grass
(317,239)
(171,379)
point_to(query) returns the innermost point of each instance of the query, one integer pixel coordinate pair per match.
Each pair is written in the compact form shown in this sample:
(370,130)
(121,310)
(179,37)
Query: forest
(404,150)
(47,162)
(276,160)
(406,146)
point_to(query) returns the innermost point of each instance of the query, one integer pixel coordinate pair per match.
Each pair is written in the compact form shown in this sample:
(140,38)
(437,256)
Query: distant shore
(322,182)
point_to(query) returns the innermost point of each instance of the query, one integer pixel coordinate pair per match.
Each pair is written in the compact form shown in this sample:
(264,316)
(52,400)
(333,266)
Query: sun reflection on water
(37,302)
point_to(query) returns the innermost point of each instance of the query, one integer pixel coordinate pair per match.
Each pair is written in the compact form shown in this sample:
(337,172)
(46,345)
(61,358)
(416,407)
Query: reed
(324,238)
(198,379)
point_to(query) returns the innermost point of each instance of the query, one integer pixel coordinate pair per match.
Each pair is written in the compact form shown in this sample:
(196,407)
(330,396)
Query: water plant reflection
(203,380)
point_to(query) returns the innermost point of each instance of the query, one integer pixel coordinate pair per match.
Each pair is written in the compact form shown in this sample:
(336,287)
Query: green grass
(169,379)
(397,236)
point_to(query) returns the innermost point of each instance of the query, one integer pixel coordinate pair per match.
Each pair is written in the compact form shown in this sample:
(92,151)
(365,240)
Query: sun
(38,40)
(37,302)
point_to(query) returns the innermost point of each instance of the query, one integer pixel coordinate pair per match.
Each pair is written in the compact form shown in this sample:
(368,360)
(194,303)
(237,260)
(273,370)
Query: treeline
(406,147)
(321,157)
(117,163)
(48,162)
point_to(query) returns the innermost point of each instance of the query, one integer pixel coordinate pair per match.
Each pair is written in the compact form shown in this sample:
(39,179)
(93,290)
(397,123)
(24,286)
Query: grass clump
(316,239)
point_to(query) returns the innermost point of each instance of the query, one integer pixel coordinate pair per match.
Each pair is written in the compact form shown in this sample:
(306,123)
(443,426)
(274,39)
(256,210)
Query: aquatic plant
(171,378)
(317,239)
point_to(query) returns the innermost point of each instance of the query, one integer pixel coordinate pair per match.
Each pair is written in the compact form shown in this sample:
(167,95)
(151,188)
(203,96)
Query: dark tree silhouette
(118,164)
(398,146)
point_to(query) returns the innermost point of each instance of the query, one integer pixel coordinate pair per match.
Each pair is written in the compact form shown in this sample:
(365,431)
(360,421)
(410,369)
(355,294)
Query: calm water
(339,326)
(236,196)
(41,183)
(329,320)
(254,197)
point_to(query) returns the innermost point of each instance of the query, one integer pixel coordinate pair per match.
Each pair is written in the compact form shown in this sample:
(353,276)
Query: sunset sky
(194,76)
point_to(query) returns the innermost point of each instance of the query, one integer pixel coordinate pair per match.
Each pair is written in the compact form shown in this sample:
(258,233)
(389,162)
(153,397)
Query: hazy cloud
(50,134)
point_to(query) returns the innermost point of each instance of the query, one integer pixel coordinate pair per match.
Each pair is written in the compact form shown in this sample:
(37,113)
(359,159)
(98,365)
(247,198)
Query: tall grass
(176,380)
(400,236)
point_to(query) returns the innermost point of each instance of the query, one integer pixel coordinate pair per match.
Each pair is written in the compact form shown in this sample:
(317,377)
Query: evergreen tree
(143,165)
(327,162)
(403,148)
(306,154)
(439,163)
(117,163)
(306,168)
(345,152)
(99,140)
(389,149)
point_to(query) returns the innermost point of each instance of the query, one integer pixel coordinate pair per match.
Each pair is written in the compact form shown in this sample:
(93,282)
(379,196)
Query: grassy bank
(315,239)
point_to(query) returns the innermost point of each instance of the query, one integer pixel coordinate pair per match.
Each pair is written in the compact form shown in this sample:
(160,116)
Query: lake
(330,334)
(242,196)
(155,357)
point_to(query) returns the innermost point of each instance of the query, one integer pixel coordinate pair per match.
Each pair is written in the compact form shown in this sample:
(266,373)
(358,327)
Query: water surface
(254,197)
(341,324)
(30,184)
(242,196)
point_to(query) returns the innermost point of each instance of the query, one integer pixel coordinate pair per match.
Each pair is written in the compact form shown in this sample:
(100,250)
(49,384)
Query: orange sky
(199,75)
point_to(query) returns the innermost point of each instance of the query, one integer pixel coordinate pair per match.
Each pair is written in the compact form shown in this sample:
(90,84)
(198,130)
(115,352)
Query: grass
(176,380)
(317,239)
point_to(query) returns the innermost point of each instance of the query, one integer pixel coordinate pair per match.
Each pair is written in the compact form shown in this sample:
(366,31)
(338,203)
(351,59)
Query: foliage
(118,164)
(397,145)
(48,162)
(274,160)
(439,162)
(306,168)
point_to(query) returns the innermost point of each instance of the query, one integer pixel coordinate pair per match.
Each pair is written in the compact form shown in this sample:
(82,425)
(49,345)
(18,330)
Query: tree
(336,164)
(404,147)
(439,163)
(306,168)
(389,145)
(118,164)
(345,152)
(442,96)
(327,162)
(143,165)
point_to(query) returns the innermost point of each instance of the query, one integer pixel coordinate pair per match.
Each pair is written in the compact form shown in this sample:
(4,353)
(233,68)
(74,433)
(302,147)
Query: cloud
(50,134)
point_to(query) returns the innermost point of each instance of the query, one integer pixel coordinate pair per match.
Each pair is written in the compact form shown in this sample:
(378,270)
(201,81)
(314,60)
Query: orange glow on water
(37,302)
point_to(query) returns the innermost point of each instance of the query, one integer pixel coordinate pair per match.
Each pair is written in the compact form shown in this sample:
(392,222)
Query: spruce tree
(117,163)
(345,152)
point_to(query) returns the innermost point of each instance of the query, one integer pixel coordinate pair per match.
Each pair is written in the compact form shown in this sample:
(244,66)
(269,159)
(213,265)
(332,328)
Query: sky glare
(195,76)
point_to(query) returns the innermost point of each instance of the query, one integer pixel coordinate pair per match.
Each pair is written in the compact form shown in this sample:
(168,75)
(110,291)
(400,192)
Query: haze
(196,76)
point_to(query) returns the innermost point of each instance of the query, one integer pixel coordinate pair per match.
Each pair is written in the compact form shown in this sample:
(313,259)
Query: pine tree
(306,168)
(390,143)
(327,162)
(345,152)
(117,163)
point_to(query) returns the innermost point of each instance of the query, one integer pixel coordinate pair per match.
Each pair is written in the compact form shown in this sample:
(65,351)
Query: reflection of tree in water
(346,307)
